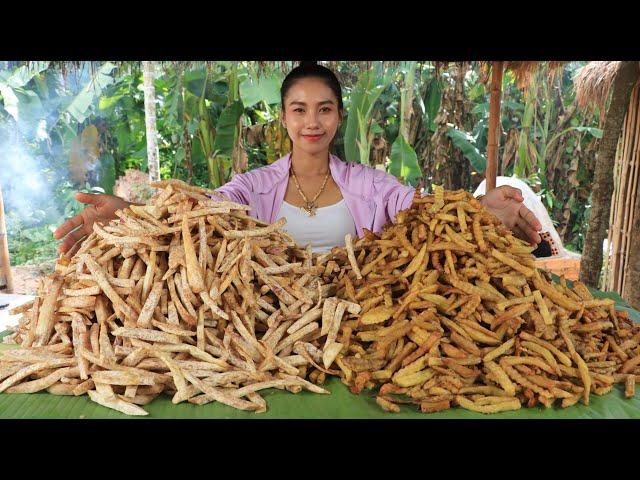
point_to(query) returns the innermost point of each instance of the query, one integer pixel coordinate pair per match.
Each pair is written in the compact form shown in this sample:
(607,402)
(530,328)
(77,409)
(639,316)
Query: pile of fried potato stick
(187,296)
(443,308)
(454,313)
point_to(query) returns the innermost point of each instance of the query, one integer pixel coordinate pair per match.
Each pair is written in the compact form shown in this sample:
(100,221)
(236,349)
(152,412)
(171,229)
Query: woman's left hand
(505,202)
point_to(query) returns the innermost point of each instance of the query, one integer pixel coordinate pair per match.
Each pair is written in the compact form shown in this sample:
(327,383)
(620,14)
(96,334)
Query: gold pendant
(310,209)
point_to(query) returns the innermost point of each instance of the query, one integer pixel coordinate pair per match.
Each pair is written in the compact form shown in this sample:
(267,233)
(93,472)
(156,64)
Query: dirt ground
(25,277)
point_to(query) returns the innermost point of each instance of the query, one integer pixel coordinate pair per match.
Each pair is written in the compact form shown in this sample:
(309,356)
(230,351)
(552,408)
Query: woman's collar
(282,166)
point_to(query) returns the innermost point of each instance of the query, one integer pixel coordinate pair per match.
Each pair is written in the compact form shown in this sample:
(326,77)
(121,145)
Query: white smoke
(26,186)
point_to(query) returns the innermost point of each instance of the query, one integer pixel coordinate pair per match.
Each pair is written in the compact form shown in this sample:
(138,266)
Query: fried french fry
(144,319)
(351,256)
(116,403)
(630,386)
(510,404)
(44,382)
(100,277)
(46,317)
(501,377)
(194,272)
(34,368)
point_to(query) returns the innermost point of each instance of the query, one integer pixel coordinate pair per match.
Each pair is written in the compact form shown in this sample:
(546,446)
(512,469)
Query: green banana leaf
(341,403)
(254,90)
(22,75)
(215,89)
(23,105)
(363,98)
(81,103)
(226,129)
(465,142)
(432,104)
(107,175)
(404,161)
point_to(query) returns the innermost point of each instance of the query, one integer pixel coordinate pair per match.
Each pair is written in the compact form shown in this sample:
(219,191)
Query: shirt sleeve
(238,189)
(395,195)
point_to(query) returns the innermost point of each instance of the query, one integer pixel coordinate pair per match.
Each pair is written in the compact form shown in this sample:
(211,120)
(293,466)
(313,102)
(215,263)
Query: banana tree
(262,94)
(206,134)
(404,161)
(219,142)
(358,135)
(21,103)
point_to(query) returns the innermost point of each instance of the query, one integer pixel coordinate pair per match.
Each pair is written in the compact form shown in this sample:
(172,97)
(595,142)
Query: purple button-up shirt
(372,196)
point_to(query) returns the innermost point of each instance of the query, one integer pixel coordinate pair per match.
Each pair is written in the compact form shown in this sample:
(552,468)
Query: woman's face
(311,115)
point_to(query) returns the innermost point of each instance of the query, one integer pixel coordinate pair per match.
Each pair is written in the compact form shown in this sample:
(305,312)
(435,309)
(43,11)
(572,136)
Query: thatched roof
(523,71)
(593,83)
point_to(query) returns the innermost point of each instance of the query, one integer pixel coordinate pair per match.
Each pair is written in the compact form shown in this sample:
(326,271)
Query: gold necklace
(310,206)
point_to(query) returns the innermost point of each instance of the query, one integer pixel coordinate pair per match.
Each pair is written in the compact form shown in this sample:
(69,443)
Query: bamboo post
(626,184)
(619,180)
(609,258)
(494,119)
(629,290)
(619,224)
(5,265)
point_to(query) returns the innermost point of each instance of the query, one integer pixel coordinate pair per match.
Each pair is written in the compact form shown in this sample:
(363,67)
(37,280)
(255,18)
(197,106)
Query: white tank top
(323,231)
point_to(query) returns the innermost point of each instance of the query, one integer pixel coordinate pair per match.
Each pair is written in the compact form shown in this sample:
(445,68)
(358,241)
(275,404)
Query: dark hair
(312,70)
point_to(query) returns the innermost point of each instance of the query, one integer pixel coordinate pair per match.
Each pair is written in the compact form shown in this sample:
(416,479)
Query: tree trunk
(5,264)
(459,173)
(150,121)
(186,137)
(591,263)
(406,103)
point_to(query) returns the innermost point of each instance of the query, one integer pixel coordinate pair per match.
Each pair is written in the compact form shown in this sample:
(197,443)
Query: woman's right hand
(101,208)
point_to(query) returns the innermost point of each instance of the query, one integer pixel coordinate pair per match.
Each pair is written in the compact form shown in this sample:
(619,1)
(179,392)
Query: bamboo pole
(623,199)
(5,264)
(622,219)
(615,229)
(612,237)
(631,291)
(625,192)
(631,199)
(614,219)
(494,119)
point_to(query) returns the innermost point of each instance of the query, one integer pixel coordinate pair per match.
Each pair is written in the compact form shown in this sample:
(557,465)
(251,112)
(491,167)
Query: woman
(322,197)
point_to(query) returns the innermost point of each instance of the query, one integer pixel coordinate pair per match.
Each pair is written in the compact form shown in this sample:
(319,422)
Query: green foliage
(31,245)
(432,103)
(80,105)
(265,89)
(362,100)
(466,144)
(404,162)
(226,131)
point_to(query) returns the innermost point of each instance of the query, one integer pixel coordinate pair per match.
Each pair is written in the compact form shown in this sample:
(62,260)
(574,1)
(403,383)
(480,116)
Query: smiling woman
(322,198)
